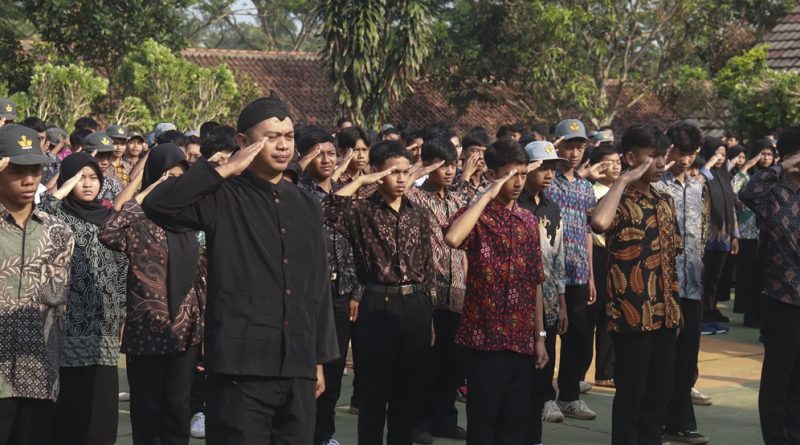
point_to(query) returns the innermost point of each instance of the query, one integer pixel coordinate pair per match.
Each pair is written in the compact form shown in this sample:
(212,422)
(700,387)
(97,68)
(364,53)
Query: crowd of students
(236,267)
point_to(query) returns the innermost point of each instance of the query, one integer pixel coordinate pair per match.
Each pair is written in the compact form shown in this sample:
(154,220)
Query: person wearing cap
(87,410)
(119,137)
(134,148)
(551,241)
(166,294)
(269,325)
(318,160)
(103,148)
(575,198)
(32,299)
(502,324)
(643,310)
(8,111)
(59,142)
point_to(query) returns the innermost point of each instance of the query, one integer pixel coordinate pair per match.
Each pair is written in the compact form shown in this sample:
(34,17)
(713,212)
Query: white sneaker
(345,371)
(584,387)
(551,413)
(124,397)
(331,442)
(198,426)
(577,409)
(698,398)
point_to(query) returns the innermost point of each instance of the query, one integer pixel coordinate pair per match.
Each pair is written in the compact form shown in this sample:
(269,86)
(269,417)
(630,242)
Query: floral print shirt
(643,241)
(96,298)
(148,328)
(748,228)
(505,269)
(576,200)
(34,278)
(775,200)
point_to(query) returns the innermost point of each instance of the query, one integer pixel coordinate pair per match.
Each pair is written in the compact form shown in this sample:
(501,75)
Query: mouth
(29,195)
(282,159)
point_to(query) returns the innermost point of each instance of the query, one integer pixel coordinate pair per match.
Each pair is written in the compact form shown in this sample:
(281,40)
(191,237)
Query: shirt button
(288,292)
(285,261)
(283,231)
(285,323)
(277,200)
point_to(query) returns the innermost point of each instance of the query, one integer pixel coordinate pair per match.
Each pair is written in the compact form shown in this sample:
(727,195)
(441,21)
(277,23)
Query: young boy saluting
(643,309)
(502,325)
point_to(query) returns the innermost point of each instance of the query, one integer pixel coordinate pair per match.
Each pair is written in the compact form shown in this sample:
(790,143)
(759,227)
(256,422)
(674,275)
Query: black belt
(401,290)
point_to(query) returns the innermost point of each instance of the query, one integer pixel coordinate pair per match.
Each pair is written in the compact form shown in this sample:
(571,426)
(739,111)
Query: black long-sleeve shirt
(269,304)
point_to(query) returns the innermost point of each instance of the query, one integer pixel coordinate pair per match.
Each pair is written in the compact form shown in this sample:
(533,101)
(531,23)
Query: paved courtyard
(730,369)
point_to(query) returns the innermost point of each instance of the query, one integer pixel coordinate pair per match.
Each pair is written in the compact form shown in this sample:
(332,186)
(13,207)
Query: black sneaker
(691,437)
(422,438)
(457,434)
(720,318)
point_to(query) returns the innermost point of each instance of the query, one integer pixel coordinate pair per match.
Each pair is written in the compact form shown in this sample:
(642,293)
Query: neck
(569,172)
(680,177)
(534,192)
(133,159)
(19,213)
(642,186)
(324,184)
(392,201)
(353,171)
(476,178)
(269,176)
(606,182)
(507,203)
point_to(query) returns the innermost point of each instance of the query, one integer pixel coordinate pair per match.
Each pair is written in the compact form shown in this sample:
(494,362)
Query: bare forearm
(350,189)
(462,226)
(606,209)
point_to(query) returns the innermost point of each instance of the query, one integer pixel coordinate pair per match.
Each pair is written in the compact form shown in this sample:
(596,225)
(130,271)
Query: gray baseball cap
(604,136)
(97,141)
(8,109)
(21,144)
(55,135)
(571,129)
(162,127)
(117,132)
(542,151)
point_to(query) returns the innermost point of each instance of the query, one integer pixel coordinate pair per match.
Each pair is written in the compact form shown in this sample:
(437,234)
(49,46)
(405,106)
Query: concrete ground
(730,370)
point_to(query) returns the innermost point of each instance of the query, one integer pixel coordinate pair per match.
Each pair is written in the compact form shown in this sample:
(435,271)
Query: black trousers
(680,411)
(644,373)
(87,407)
(499,402)
(604,349)
(779,394)
(576,344)
(748,279)
(160,387)
(714,281)
(197,401)
(354,397)
(326,403)
(439,415)
(393,333)
(26,421)
(259,410)
(542,388)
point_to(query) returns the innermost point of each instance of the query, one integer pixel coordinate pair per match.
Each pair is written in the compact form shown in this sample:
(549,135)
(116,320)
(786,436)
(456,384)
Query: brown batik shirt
(642,243)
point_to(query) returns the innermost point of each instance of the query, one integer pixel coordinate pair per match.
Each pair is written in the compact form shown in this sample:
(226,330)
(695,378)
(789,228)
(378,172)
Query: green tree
(100,33)
(134,114)
(374,50)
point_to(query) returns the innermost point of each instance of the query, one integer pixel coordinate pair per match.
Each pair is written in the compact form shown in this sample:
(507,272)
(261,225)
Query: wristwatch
(542,334)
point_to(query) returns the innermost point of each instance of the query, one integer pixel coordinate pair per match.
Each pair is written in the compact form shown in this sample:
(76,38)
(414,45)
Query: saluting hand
(241,159)
(68,186)
(534,165)
(4,163)
(631,176)
(494,189)
(342,167)
(594,172)
(420,172)
(471,165)
(375,178)
(308,157)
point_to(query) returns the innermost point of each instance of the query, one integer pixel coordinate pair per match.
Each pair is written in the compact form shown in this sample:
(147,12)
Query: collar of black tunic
(262,184)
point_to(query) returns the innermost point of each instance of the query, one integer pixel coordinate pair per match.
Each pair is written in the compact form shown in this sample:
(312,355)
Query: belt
(402,290)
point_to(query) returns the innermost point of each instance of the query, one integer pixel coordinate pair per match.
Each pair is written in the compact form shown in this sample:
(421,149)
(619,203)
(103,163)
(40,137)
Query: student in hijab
(269,327)
(86,411)
(723,235)
(166,301)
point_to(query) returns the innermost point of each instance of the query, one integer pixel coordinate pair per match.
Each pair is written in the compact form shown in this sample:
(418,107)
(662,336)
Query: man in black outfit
(269,324)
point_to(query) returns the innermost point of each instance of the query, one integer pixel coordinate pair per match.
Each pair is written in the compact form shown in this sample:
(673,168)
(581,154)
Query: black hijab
(723,200)
(182,246)
(92,211)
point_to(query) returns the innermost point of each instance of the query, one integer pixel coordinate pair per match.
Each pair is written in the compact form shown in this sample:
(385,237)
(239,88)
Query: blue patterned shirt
(576,200)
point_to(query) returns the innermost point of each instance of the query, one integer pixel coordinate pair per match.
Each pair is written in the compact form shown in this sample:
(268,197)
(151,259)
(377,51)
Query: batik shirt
(551,239)
(748,228)
(112,186)
(450,264)
(34,279)
(576,200)
(340,253)
(692,215)
(643,241)
(775,200)
(123,170)
(96,298)
(149,329)
(505,269)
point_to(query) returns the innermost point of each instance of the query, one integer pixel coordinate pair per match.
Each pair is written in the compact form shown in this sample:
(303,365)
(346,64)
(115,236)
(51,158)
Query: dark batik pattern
(505,268)
(642,243)
(148,328)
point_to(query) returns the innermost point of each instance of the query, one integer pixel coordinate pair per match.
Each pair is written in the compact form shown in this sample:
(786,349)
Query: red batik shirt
(505,268)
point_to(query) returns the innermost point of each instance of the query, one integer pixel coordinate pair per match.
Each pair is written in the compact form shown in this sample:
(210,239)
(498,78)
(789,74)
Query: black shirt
(269,304)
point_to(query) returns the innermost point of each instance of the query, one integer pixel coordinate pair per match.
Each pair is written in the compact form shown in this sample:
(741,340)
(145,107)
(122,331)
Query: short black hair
(541,129)
(685,137)
(505,131)
(438,130)
(474,139)
(388,131)
(409,134)
(347,137)
(789,141)
(172,136)
(310,136)
(385,150)
(503,152)
(439,148)
(206,128)
(86,122)
(644,136)
(341,121)
(221,138)
(601,151)
(193,140)
(76,137)
(35,124)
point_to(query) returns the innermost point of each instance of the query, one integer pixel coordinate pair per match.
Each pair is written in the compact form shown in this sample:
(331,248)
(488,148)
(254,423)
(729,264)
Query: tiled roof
(784,42)
(301,79)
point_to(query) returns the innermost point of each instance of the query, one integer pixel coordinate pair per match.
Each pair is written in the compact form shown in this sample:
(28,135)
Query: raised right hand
(494,188)
(241,159)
